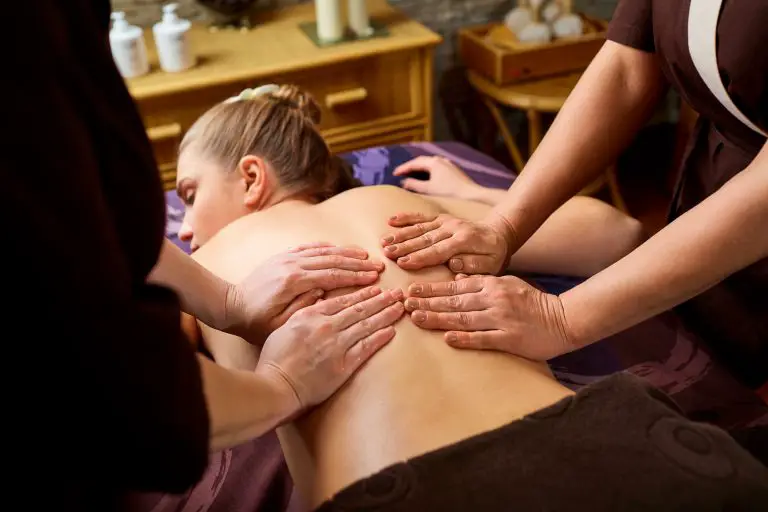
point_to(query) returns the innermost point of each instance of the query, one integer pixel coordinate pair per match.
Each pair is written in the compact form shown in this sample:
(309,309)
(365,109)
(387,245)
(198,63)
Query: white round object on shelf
(569,25)
(552,11)
(517,19)
(535,33)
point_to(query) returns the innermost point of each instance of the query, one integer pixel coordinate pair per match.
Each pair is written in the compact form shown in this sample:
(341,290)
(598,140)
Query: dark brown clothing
(110,396)
(577,454)
(733,316)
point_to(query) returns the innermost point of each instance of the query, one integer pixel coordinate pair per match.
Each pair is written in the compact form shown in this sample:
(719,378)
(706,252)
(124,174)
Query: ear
(254,175)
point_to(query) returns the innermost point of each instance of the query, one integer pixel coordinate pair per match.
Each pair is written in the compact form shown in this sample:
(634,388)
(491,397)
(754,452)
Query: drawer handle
(164,132)
(348,97)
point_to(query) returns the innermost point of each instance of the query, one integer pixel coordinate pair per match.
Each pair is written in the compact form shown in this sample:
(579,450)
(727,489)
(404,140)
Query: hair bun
(297,99)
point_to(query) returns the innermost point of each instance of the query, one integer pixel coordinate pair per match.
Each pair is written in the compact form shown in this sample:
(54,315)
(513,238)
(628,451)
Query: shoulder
(371,192)
(380,200)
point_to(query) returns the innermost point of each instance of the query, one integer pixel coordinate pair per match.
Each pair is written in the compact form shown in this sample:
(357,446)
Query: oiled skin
(417,394)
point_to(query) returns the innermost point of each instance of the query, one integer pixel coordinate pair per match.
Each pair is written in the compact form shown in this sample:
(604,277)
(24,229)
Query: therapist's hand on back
(469,247)
(493,313)
(321,346)
(293,280)
(423,240)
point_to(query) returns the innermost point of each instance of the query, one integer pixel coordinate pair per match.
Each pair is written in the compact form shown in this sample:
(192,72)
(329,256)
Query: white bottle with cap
(172,41)
(128,48)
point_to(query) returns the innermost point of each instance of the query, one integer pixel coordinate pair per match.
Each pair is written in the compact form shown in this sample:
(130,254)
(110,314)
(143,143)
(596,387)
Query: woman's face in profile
(214,197)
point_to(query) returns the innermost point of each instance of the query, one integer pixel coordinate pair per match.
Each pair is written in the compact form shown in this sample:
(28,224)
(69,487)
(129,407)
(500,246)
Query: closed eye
(185,189)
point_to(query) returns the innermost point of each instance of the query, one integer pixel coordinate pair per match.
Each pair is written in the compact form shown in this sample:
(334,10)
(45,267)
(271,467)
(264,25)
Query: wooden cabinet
(377,91)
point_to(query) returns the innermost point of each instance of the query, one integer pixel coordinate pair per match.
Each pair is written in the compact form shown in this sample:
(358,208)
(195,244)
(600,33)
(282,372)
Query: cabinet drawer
(361,94)
(353,95)
(372,100)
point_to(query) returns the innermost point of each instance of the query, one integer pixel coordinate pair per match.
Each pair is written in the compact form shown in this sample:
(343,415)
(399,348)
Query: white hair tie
(251,94)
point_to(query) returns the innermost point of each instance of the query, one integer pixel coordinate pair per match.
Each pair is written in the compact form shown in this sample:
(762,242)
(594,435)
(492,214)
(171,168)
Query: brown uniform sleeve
(110,382)
(632,25)
(762,108)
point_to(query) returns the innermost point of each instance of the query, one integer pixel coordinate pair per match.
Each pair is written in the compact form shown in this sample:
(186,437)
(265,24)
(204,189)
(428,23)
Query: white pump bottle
(172,41)
(128,48)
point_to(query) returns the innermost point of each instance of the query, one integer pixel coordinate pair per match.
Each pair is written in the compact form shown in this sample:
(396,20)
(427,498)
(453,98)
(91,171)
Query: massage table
(254,477)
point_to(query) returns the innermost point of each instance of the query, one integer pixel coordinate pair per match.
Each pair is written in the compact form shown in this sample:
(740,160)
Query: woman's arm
(487,195)
(301,364)
(614,98)
(202,294)
(723,234)
(580,238)
(720,236)
(242,405)
(270,294)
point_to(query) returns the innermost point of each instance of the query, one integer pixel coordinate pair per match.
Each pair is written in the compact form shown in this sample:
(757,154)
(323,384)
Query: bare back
(417,395)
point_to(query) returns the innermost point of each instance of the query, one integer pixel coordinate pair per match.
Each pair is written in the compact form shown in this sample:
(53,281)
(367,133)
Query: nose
(185,232)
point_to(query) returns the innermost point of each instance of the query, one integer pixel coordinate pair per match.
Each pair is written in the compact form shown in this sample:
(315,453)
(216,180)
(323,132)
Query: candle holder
(328,28)
(358,19)
(310,29)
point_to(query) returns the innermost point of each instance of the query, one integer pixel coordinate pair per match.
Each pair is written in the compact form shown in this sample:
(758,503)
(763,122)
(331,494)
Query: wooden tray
(493,52)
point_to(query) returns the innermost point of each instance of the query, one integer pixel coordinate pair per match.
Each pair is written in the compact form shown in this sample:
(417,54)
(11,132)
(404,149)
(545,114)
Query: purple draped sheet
(254,477)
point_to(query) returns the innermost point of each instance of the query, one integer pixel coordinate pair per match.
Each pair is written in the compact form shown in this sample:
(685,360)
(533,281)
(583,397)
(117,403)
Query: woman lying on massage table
(257,179)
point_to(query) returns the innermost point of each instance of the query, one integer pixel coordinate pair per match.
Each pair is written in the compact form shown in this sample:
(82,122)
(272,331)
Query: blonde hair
(279,126)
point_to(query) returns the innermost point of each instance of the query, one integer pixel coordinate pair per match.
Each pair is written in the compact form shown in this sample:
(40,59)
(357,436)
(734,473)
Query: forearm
(486,195)
(720,236)
(202,294)
(614,98)
(242,405)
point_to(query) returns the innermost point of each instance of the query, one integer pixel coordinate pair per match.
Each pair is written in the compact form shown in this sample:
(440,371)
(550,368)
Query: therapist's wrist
(234,318)
(243,405)
(507,230)
(282,395)
(579,326)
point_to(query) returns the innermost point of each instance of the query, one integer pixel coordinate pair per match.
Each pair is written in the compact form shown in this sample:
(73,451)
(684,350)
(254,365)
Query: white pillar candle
(359,21)
(329,24)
